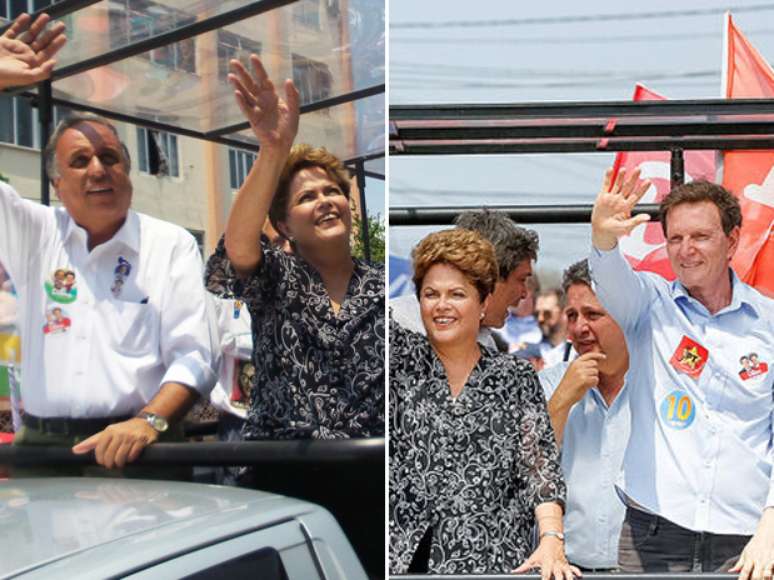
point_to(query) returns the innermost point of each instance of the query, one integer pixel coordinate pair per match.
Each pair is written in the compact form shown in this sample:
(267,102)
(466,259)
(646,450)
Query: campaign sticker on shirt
(689,357)
(677,410)
(121,273)
(237,308)
(752,366)
(61,287)
(242,389)
(57,321)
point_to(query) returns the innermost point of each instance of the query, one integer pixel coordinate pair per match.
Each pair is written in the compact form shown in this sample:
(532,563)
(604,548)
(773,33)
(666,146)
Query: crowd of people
(654,408)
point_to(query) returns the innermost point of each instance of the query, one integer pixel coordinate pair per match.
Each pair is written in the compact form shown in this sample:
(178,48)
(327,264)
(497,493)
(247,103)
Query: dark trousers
(650,543)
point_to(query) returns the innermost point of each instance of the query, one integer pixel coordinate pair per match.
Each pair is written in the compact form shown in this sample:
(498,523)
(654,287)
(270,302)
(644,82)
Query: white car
(121,528)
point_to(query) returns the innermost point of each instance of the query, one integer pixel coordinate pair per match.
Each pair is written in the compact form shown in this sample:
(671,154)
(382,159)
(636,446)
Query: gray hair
(49,153)
(578,273)
(513,244)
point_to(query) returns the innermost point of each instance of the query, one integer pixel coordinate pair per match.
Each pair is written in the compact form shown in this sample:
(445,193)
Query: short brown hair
(699,191)
(464,249)
(303,156)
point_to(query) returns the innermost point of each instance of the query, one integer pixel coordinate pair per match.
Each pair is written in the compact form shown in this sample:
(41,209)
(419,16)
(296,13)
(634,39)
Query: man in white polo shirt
(697,475)
(112,307)
(589,412)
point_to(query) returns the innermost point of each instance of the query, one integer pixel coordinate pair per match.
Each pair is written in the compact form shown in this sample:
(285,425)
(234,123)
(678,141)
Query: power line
(457,40)
(576,18)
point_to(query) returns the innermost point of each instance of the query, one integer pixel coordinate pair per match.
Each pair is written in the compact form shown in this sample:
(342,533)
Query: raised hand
(27,50)
(612,217)
(274,121)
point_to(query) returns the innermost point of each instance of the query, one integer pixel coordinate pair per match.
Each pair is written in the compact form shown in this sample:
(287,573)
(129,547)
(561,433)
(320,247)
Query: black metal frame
(44,100)
(299,451)
(572,127)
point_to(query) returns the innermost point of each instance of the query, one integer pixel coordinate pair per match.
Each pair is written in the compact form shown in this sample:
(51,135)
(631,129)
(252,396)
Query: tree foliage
(376,233)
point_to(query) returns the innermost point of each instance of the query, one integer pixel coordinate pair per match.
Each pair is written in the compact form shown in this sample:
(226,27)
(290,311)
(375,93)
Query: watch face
(157,422)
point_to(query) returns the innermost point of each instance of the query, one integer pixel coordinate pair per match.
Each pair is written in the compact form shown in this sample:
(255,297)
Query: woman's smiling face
(318,211)
(450,305)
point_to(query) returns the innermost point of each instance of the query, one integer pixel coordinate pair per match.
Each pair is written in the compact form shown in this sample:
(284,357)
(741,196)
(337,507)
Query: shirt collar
(740,295)
(128,234)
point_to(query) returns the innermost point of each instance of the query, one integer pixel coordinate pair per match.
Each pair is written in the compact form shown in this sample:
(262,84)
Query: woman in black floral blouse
(318,313)
(473,460)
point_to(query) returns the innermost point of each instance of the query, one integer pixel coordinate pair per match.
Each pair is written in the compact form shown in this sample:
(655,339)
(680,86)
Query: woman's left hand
(550,559)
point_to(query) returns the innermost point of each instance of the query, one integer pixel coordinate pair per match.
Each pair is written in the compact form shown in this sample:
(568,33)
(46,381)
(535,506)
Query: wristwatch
(158,422)
(554,534)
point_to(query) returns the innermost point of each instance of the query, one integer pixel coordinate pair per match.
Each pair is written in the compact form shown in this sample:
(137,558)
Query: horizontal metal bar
(374,175)
(165,38)
(528,214)
(590,129)
(311,107)
(584,109)
(306,451)
(568,145)
(142,122)
(369,157)
(58,10)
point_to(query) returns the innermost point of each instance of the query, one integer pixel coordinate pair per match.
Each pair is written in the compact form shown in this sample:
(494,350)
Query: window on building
(135,20)
(307,14)
(239,164)
(313,79)
(18,122)
(232,45)
(157,152)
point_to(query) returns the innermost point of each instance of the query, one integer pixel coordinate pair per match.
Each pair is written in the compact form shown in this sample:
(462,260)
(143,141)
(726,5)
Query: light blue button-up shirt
(700,454)
(593,449)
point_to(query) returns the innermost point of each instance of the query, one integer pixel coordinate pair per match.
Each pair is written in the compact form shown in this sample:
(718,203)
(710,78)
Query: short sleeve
(259,287)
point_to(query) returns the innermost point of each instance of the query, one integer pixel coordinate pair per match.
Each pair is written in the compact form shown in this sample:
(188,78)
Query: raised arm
(27,50)
(611,217)
(275,123)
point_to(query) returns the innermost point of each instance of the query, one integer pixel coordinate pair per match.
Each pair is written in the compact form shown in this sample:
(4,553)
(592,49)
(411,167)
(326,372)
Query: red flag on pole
(750,174)
(645,247)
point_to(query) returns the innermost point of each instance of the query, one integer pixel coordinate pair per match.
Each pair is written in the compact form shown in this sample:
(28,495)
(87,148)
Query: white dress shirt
(133,318)
(700,454)
(593,447)
(236,346)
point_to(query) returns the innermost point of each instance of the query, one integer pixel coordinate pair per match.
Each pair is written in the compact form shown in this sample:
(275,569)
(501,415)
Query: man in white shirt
(112,306)
(590,416)
(515,250)
(697,475)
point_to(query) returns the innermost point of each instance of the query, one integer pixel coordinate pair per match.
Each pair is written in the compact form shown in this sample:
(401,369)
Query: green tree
(376,233)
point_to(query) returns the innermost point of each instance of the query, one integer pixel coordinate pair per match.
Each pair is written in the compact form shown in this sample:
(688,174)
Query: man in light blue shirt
(590,416)
(697,473)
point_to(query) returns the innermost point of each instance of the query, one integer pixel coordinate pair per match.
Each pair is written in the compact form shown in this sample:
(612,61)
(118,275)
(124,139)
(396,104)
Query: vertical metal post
(45,118)
(676,168)
(361,186)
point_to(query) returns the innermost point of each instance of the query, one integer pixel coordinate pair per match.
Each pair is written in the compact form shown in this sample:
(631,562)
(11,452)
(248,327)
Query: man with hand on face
(590,416)
(515,249)
(137,348)
(697,474)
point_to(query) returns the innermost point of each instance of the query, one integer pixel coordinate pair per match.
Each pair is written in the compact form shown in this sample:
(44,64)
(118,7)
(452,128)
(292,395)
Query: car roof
(47,520)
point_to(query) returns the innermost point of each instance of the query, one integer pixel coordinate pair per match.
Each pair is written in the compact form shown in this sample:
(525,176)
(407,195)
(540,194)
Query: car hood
(47,519)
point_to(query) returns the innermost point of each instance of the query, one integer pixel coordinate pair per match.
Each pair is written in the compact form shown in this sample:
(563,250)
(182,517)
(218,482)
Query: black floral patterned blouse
(472,468)
(318,374)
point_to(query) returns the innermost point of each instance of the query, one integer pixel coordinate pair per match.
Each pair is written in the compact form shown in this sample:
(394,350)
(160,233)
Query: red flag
(750,174)
(645,247)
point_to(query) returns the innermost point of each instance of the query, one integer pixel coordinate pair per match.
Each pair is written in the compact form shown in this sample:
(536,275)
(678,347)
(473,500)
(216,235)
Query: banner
(750,174)
(645,247)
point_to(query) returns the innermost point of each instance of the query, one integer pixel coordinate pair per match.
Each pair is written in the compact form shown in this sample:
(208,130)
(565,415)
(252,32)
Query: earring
(482,316)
